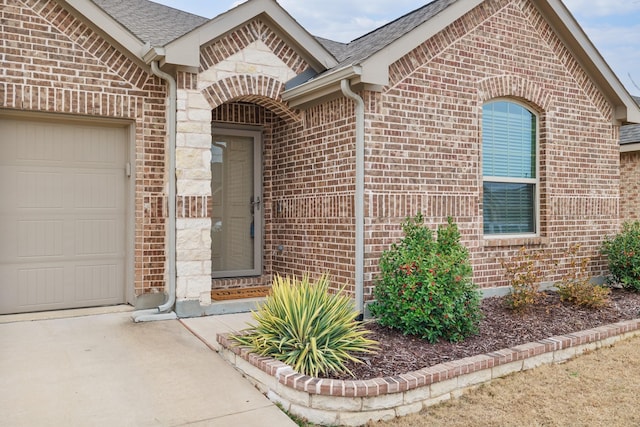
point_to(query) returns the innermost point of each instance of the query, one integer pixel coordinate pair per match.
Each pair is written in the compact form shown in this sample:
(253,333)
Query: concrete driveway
(105,370)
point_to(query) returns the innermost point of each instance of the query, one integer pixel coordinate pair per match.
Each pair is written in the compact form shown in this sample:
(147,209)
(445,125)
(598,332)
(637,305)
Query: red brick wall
(53,62)
(423,151)
(307,191)
(313,187)
(630,186)
(424,142)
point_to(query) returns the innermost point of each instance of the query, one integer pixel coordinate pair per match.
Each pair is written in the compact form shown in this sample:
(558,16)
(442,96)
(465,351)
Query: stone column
(193,174)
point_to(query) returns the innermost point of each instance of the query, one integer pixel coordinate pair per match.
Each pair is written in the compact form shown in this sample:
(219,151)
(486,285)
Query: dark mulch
(501,328)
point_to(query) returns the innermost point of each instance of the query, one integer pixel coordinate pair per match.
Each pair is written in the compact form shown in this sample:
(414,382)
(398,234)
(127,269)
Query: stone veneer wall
(53,62)
(193,192)
(355,402)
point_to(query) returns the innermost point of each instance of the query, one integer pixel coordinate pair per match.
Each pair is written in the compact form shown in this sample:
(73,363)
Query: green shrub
(424,287)
(576,287)
(523,273)
(306,327)
(623,253)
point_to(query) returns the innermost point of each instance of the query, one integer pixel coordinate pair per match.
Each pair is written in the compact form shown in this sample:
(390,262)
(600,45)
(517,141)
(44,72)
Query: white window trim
(535,181)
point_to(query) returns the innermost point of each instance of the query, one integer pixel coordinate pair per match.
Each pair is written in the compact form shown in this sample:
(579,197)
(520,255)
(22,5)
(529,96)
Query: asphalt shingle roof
(630,134)
(151,22)
(365,46)
(339,50)
(158,24)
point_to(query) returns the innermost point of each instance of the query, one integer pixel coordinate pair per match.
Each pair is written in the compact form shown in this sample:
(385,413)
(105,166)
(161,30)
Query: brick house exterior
(353,138)
(630,171)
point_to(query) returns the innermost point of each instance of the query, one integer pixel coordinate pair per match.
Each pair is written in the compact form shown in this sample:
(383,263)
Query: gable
(185,50)
(509,49)
(372,70)
(251,63)
(256,45)
(76,56)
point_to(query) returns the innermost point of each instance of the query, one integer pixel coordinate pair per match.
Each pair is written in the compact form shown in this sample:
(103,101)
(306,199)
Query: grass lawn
(600,388)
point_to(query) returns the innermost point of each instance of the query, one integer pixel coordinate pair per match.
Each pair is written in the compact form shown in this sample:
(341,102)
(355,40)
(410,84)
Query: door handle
(255,203)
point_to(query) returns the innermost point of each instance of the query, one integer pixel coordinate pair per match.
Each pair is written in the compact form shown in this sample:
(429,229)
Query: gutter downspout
(163,312)
(345,85)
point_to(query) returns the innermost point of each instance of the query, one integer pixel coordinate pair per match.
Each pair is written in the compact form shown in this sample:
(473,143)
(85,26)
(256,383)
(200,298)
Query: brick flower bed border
(354,402)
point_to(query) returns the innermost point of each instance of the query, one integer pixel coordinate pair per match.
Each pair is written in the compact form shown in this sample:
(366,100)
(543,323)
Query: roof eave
(185,50)
(322,86)
(374,70)
(153,54)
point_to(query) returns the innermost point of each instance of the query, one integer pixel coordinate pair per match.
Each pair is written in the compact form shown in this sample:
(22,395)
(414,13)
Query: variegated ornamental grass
(308,328)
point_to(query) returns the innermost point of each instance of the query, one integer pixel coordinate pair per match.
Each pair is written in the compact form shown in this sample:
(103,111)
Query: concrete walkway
(105,370)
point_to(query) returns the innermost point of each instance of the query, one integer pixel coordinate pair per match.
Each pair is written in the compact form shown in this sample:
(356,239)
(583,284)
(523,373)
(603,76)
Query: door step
(239,293)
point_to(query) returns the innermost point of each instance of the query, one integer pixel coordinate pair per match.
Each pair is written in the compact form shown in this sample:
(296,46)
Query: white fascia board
(570,32)
(108,25)
(320,86)
(630,148)
(375,69)
(185,50)
(631,110)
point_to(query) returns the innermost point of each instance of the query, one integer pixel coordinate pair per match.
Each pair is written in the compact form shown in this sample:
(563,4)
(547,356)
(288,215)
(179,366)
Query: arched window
(510,169)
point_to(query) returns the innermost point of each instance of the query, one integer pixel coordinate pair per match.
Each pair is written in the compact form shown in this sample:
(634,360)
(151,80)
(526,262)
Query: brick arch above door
(260,90)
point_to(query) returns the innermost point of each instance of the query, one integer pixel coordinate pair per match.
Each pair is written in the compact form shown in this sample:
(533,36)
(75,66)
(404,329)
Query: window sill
(514,241)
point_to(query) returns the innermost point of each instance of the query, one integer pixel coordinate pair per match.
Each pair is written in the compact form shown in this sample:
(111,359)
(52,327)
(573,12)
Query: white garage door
(62,215)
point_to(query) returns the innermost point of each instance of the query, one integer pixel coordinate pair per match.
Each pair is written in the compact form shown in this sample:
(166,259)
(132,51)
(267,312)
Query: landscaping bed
(500,328)
(409,374)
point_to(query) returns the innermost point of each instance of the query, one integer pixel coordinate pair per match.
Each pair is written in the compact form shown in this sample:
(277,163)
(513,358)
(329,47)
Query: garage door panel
(31,143)
(98,190)
(97,237)
(43,286)
(95,146)
(39,189)
(31,240)
(37,239)
(63,215)
(93,281)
